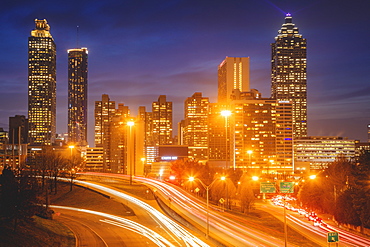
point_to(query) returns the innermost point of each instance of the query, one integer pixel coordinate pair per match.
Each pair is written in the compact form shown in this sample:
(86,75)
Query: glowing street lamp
(130,124)
(206,187)
(71,147)
(249,154)
(226,114)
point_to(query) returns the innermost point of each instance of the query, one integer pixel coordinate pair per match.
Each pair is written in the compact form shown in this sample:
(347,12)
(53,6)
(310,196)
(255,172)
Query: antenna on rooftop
(77,37)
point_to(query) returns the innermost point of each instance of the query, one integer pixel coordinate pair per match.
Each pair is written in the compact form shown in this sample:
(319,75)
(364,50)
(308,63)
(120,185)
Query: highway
(168,228)
(222,227)
(317,234)
(232,230)
(98,229)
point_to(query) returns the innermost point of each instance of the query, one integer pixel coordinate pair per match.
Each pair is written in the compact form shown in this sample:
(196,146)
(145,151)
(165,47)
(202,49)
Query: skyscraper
(233,73)
(288,73)
(77,96)
(195,126)
(162,121)
(105,110)
(41,85)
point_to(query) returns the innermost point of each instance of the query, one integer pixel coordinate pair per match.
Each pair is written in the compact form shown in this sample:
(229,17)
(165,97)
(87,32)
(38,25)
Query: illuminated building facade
(233,73)
(253,122)
(77,96)
(161,122)
(104,110)
(195,126)
(288,73)
(94,159)
(41,85)
(218,142)
(284,136)
(321,151)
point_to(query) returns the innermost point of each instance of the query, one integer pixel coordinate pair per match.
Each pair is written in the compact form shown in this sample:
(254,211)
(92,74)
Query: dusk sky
(141,49)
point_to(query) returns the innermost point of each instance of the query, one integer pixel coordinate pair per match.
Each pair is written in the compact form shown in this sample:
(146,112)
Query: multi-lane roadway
(226,228)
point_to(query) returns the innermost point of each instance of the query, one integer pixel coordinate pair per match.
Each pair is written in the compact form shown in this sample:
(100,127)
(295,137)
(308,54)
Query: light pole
(206,187)
(130,124)
(249,154)
(226,114)
(71,147)
(143,163)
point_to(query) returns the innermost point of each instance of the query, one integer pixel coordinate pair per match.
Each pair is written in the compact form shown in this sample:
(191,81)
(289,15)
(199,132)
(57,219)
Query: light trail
(225,228)
(177,231)
(124,223)
(322,230)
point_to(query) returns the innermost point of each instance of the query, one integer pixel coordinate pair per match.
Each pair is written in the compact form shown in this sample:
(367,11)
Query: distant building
(261,133)
(218,143)
(104,110)
(194,127)
(41,85)
(289,73)
(18,129)
(321,151)
(77,96)
(361,147)
(161,122)
(165,154)
(94,159)
(233,73)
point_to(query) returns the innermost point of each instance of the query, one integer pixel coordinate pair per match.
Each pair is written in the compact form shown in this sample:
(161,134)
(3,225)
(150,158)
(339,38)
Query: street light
(206,187)
(223,178)
(226,114)
(249,154)
(130,124)
(143,164)
(71,148)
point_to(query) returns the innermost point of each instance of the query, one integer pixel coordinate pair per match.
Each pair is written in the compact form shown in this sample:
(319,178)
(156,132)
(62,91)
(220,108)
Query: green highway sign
(267,187)
(286,187)
(333,237)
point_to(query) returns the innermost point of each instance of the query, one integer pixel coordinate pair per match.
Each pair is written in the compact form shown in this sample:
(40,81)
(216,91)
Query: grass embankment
(40,232)
(44,232)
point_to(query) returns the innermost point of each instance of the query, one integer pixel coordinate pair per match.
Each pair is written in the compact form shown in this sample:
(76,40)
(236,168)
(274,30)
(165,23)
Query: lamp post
(130,124)
(143,163)
(226,114)
(206,187)
(249,154)
(71,147)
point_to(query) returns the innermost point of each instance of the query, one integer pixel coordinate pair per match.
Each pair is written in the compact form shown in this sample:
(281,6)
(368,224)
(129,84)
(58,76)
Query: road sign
(333,237)
(267,187)
(286,187)
(222,200)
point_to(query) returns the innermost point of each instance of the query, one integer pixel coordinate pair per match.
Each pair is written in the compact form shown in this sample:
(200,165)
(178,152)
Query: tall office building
(161,121)
(218,136)
(233,73)
(105,110)
(288,73)
(41,85)
(77,96)
(253,128)
(195,126)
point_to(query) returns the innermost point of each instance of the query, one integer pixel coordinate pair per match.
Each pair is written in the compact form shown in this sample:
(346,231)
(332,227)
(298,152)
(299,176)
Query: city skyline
(174,49)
